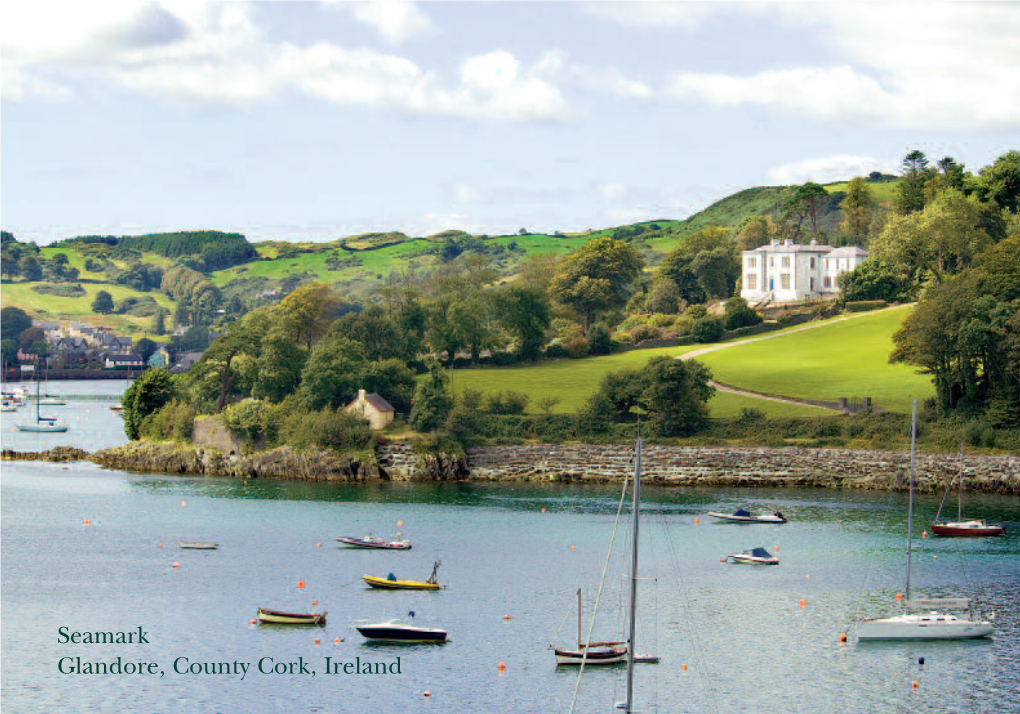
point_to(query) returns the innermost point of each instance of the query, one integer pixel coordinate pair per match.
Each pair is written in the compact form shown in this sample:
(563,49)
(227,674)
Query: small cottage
(372,407)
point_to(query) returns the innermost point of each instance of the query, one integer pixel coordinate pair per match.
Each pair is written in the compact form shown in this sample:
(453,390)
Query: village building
(372,407)
(784,272)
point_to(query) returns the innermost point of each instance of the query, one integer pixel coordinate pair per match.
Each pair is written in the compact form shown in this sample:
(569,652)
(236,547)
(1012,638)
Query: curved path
(758,395)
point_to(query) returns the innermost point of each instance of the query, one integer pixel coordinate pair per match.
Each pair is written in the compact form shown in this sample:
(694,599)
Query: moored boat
(373,542)
(400,631)
(197,545)
(390,582)
(275,617)
(754,556)
(742,515)
(960,528)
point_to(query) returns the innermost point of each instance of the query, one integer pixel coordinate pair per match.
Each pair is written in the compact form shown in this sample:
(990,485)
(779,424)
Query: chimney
(788,241)
(361,395)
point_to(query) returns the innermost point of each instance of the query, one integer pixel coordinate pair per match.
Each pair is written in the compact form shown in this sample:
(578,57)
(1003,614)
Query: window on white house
(812,262)
(786,261)
(751,281)
(827,282)
(752,262)
(784,281)
(812,284)
(772,261)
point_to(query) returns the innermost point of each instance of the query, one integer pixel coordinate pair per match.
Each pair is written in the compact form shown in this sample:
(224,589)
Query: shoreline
(665,466)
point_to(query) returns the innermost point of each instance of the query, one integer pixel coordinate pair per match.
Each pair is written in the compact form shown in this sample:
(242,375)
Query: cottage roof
(377,402)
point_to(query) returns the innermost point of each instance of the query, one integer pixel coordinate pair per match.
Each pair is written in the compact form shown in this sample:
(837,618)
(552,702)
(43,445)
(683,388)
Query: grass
(839,358)
(843,358)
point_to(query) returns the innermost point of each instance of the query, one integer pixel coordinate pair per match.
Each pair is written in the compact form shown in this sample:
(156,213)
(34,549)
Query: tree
(1001,181)
(663,298)
(278,366)
(332,375)
(432,401)
(942,238)
(910,193)
(856,208)
(153,389)
(717,271)
(876,279)
(144,349)
(754,233)
(103,303)
(215,374)
(14,321)
(524,313)
(159,323)
(805,204)
(596,276)
(30,268)
(308,311)
(393,380)
(676,395)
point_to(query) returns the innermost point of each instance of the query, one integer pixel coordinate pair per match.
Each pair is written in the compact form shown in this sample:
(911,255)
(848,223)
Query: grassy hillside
(838,358)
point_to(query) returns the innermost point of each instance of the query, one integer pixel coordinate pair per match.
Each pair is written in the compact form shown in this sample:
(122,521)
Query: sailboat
(42,424)
(585,653)
(932,625)
(973,528)
(591,653)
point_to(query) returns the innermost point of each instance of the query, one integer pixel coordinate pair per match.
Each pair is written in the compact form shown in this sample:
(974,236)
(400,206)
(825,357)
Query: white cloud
(396,20)
(602,80)
(840,167)
(654,14)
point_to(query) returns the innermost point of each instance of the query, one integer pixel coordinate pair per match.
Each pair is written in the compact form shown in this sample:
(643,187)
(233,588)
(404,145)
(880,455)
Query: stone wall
(689,466)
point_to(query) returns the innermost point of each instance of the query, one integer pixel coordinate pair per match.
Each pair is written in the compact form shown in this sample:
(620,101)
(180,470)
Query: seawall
(668,466)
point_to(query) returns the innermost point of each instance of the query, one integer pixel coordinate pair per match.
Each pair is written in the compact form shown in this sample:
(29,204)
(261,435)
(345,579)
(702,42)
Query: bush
(556,351)
(640,333)
(707,329)
(174,421)
(577,348)
(507,403)
(661,320)
(865,305)
(71,290)
(600,340)
(327,429)
(246,420)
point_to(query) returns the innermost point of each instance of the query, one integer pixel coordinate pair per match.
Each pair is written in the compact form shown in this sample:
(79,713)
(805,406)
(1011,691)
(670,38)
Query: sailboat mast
(910,507)
(631,643)
(959,501)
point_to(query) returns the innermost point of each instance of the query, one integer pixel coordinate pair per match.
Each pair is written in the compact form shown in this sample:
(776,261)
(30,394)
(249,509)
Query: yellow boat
(390,582)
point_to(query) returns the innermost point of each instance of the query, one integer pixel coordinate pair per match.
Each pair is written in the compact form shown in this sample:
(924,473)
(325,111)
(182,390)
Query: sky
(312,121)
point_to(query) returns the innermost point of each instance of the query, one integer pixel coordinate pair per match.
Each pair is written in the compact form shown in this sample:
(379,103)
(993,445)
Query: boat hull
(730,518)
(391,632)
(375,544)
(922,627)
(386,584)
(275,617)
(197,545)
(751,560)
(966,530)
(592,656)
(43,428)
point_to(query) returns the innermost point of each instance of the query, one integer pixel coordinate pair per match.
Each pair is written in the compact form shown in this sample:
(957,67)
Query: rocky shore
(661,465)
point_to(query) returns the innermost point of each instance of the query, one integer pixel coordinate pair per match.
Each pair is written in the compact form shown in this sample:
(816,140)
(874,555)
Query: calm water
(748,644)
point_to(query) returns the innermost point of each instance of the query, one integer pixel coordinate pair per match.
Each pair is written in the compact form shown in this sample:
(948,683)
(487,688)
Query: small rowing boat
(198,545)
(275,617)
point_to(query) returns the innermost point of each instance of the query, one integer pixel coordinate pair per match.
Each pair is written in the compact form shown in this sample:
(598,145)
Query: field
(838,358)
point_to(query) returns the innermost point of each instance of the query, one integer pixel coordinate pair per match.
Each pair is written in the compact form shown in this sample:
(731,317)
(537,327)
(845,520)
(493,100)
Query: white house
(791,272)
(377,410)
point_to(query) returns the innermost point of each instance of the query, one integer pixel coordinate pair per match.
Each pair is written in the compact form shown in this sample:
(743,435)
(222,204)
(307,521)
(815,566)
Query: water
(748,644)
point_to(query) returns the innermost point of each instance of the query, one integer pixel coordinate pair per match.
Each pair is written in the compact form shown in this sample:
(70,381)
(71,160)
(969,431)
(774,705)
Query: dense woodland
(281,370)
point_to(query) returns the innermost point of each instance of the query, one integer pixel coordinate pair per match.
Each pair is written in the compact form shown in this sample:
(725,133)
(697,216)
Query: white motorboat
(754,556)
(744,516)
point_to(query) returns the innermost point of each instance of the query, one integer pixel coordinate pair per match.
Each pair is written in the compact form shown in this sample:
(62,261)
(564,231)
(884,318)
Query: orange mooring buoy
(697,521)
(428,693)
(502,667)
(683,668)
(899,596)
(301,584)
(317,641)
(914,684)
(802,602)
(176,564)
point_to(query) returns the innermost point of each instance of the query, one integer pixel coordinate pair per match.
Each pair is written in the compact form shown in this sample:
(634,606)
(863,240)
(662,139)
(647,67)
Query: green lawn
(843,358)
(840,358)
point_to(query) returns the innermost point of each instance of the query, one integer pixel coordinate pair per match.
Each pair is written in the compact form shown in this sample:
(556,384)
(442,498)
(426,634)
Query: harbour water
(91,550)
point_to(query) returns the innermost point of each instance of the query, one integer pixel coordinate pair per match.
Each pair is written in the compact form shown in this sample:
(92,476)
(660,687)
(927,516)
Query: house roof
(848,251)
(377,402)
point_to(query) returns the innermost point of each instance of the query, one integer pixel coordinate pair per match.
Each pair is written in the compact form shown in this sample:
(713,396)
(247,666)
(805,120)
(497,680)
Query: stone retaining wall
(689,466)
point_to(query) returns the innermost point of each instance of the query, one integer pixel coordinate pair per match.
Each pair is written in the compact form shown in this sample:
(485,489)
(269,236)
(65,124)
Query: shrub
(246,420)
(507,402)
(327,429)
(865,305)
(577,348)
(661,320)
(600,340)
(641,333)
(707,329)
(174,421)
(59,289)
(556,350)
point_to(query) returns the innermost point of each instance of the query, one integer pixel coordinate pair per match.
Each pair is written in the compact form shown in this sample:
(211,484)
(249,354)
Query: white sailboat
(928,626)
(42,424)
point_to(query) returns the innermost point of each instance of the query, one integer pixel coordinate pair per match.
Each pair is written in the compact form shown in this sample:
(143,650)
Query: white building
(789,272)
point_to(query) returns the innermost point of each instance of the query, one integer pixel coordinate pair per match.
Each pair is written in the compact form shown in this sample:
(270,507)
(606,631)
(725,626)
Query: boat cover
(760,553)
(742,513)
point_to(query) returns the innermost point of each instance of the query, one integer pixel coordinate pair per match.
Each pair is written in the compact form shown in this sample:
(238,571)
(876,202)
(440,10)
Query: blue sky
(313,121)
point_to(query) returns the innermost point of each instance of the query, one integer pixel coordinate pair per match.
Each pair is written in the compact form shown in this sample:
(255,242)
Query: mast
(631,643)
(910,508)
(584,655)
(959,501)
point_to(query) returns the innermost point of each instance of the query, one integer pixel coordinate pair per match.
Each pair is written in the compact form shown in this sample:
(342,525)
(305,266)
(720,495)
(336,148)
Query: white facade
(789,272)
